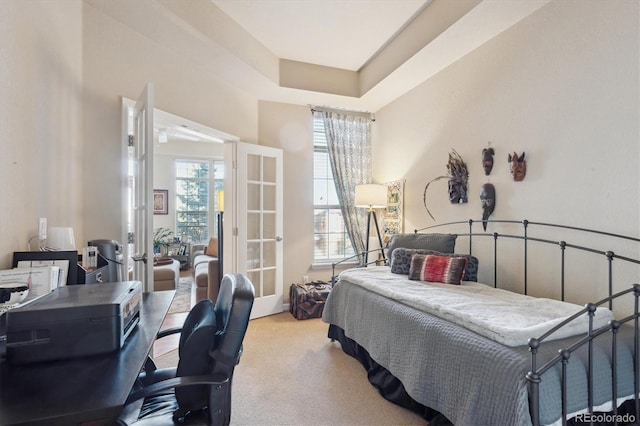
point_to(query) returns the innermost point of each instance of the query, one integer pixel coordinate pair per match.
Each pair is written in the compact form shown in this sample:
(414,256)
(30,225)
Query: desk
(85,389)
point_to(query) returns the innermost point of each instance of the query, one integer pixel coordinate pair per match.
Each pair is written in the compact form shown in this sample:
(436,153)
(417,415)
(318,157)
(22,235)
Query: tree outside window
(195,199)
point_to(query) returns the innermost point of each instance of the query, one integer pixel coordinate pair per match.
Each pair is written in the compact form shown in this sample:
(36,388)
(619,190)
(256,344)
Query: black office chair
(198,391)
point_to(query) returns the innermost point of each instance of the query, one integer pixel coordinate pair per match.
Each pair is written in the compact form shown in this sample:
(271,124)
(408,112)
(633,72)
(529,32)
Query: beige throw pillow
(212,248)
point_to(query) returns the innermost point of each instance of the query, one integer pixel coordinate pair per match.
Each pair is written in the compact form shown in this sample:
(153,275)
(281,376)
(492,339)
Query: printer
(73,321)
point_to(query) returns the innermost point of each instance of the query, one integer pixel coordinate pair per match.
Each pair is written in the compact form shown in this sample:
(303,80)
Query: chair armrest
(168,332)
(197,249)
(176,382)
(150,364)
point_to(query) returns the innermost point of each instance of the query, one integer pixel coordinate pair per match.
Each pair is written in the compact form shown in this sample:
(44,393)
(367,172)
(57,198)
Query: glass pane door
(260,224)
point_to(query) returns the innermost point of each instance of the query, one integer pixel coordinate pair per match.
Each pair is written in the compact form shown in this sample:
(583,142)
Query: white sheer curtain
(349,147)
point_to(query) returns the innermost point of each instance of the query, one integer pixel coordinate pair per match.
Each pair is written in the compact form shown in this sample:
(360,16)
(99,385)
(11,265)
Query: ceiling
(352,54)
(387,46)
(335,33)
(169,127)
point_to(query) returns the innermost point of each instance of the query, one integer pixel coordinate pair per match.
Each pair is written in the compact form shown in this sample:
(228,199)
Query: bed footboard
(601,349)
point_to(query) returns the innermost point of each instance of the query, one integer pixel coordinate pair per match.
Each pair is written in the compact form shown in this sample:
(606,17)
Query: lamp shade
(61,238)
(371,195)
(220,196)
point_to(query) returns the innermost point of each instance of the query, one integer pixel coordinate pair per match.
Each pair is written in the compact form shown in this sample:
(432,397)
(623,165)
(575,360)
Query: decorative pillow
(401,259)
(212,248)
(437,269)
(401,262)
(444,243)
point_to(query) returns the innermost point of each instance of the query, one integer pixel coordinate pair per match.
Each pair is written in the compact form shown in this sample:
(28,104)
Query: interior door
(258,230)
(143,188)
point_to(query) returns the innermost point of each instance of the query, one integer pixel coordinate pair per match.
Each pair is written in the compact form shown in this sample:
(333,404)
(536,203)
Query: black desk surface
(81,389)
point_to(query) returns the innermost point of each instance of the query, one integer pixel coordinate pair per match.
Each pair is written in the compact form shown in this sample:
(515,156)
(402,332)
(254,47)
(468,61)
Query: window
(194,198)
(331,241)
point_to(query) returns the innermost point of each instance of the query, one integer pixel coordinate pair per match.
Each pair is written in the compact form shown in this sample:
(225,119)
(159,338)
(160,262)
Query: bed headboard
(523,237)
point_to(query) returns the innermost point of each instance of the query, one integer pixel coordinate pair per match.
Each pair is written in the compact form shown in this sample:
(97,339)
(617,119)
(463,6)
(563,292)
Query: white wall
(64,68)
(289,127)
(118,62)
(41,150)
(562,86)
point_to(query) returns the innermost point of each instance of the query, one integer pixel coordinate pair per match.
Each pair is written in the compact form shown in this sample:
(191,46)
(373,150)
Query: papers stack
(41,280)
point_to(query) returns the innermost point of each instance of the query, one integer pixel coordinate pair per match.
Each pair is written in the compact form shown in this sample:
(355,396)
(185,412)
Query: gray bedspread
(470,379)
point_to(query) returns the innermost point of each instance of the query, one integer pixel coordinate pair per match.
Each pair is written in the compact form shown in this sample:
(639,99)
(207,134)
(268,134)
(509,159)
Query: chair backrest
(233,309)
(196,340)
(211,338)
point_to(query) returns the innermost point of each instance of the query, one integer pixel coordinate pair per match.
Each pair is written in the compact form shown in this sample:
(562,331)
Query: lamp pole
(220,244)
(371,196)
(375,221)
(220,200)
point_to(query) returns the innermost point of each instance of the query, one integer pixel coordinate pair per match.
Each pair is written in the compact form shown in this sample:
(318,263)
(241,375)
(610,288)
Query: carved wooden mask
(487,160)
(518,166)
(488,202)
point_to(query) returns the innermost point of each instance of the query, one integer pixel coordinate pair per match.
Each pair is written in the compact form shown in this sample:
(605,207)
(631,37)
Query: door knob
(138,258)
(278,238)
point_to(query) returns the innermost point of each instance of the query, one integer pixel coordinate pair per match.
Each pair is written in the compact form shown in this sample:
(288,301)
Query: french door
(142,189)
(257,231)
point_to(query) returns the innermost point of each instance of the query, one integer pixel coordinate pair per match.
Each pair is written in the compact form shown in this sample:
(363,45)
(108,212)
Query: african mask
(487,160)
(458,177)
(488,202)
(518,166)
(457,191)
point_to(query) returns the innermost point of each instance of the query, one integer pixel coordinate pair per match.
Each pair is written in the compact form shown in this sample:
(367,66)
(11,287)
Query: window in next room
(197,182)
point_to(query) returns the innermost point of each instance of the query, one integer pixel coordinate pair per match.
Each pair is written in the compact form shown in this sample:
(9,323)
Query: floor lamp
(371,196)
(220,233)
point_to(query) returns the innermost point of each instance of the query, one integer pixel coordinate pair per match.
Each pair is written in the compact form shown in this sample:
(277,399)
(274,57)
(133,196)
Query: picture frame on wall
(392,215)
(160,201)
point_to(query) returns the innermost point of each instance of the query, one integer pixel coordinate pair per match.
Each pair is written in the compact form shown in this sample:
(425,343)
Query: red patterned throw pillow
(437,269)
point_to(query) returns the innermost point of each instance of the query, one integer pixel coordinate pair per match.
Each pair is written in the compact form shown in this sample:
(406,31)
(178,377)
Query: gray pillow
(401,262)
(444,243)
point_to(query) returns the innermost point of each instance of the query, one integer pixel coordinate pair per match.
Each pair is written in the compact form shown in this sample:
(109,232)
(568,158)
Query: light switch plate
(42,228)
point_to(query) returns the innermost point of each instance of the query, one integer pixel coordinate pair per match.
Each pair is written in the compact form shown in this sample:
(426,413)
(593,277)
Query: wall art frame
(392,215)
(160,201)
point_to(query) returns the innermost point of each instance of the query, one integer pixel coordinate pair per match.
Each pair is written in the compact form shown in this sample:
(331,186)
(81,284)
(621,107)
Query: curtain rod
(370,115)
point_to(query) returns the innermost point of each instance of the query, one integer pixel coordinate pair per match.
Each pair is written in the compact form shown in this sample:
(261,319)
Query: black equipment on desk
(73,321)
(112,252)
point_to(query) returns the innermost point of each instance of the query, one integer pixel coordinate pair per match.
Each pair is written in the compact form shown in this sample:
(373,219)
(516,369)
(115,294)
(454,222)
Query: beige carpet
(292,374)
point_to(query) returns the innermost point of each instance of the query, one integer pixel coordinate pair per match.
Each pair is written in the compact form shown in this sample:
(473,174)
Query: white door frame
(142,129)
